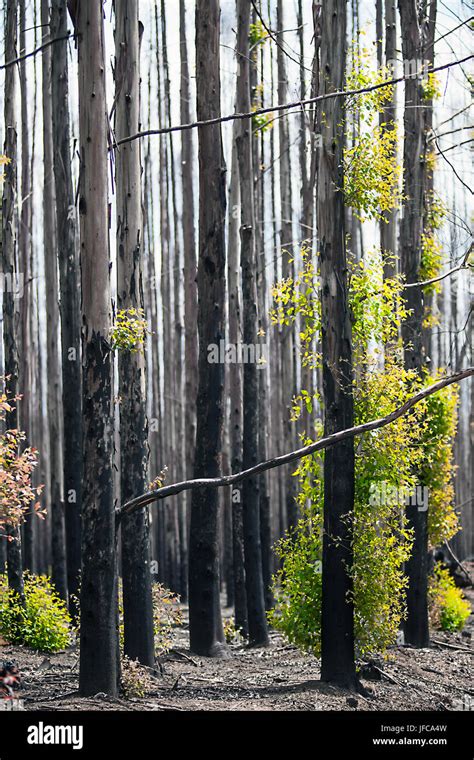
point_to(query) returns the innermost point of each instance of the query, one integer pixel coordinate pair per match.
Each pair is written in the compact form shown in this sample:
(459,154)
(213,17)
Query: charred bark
(205,623)
(69,285)
(337,634)
(258,631)
(99,666)
(137,598)
(9,252)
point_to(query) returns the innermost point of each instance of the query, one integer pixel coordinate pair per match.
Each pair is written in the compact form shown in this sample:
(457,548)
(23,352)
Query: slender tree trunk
(137,600)
(337,655)
(176,396)
(411,226)
(166,283)
(429,181)
(388,224)
(69,284)
(24,242)
(190,264)
(286,250)
(9,253)
(59,572)
(258,631)
(99,665)
(234,377)
(205,623)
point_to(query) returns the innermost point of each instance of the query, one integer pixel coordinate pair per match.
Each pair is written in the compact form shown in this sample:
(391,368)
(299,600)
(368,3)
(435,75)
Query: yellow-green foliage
(372,174)
(437,416)
(449,609)
(166,616)
(415,447)
(363,73)
(257,33)
(431,86)
(431,249)
(232,634)
(299,297)
(129,331)
(43,623)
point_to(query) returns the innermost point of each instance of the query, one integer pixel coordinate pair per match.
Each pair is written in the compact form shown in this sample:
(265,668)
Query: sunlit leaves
(129,331)
(372,174)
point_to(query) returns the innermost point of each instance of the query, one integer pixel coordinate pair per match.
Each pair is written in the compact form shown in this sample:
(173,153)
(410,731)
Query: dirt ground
(275,678)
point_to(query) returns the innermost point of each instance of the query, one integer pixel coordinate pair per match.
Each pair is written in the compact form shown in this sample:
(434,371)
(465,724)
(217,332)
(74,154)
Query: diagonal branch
(280,106)
(228,480)
(34,52)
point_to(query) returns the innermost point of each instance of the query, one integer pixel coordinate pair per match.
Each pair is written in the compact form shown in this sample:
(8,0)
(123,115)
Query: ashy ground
(276,678)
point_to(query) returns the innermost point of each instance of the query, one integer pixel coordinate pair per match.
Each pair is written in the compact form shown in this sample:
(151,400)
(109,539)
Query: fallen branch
(451,646)
(228,480)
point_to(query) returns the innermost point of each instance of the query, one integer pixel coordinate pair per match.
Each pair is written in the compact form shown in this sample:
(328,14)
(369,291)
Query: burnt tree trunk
(205,622)
(411,227)
(9,250)
(69,284)
(58,535)
(136,576)
(25,354)
(234,378)
(190,264)
(257,622)
(99,666)
(337,635)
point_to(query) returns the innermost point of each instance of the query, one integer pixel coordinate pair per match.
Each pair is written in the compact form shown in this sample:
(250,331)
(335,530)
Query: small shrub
(136,679)
(232,634)
(43,623)
(166,616)
(449,609)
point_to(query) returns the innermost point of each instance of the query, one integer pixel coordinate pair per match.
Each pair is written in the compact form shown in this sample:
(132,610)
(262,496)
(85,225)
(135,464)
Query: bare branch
(228,480)
(35,51)
(279,107)
(463,265)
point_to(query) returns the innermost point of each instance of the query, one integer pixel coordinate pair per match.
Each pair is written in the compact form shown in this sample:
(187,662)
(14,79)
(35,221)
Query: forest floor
(275,678)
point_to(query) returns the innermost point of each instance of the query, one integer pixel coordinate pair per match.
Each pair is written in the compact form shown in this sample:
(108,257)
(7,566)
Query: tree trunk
(234,378)
(416,625)
(205,623)
(286,250)
(69,284)
(258,631)
(9,248)
(337,645)
(136,576)
(24,244)
(99,666)
(190,266)
(388,224)
(58,536)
